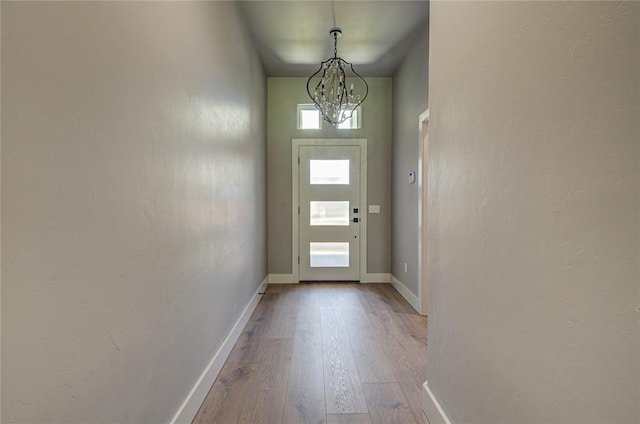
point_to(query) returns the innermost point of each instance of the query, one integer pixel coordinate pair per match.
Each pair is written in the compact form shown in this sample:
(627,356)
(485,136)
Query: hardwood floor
(324,353)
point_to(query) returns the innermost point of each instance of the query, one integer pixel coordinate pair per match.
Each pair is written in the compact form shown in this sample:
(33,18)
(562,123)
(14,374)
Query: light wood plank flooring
(324,353)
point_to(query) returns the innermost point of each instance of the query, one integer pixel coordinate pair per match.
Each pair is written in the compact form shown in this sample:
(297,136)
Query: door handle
(356,220)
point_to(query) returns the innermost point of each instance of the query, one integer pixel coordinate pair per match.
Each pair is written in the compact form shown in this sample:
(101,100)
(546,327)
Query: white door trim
(297,142)
(422,216)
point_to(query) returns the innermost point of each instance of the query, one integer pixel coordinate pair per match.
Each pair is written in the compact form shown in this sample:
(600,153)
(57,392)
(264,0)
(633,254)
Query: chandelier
(331,91)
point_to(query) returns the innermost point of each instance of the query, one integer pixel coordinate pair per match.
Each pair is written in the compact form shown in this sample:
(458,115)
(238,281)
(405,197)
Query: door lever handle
(355,220)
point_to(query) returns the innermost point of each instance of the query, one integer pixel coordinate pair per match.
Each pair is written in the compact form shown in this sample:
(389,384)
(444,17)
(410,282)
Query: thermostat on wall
(412,177)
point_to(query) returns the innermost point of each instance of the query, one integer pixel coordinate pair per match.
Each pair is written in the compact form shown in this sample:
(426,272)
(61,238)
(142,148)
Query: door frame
(423,152)
(295,194)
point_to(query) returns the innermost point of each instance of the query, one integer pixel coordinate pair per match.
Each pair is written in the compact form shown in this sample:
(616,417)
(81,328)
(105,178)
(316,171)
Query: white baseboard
(413,300)
(376,278)
(431,407)
(281,279)
(191,404)
(368,278)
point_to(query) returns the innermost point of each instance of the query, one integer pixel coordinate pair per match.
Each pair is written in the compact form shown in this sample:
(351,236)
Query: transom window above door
(309,118)
(352,123)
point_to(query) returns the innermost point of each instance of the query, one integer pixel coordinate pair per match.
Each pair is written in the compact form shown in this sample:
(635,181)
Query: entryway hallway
(324,353)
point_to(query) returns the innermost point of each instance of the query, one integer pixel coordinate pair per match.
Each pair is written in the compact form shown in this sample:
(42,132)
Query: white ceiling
(292,37)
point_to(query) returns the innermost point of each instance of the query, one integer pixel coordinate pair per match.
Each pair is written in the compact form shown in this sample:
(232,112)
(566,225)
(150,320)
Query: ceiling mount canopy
(336,88)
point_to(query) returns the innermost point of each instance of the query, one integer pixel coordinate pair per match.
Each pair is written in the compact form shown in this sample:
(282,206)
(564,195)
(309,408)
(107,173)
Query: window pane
(329,255)
(309,119)
(329,213)
(351,123)
(329,171)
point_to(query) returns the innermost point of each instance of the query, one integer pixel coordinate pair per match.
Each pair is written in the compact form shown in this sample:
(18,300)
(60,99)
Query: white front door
(329,213)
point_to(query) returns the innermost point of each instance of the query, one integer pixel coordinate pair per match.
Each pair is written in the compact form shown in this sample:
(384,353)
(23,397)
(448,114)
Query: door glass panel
(329,171)
(329,213)
(329,255)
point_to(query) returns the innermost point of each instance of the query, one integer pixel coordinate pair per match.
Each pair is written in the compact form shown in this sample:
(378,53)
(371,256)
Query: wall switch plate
(374,208)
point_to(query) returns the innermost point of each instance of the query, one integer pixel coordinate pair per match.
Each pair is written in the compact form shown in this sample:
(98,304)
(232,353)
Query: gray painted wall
(533,230)
(410,99)
(133,203)
(284,94)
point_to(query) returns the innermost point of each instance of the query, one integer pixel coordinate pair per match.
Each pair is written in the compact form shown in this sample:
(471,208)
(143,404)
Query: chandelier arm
(343,82)
(366,86)
(309,81)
